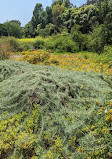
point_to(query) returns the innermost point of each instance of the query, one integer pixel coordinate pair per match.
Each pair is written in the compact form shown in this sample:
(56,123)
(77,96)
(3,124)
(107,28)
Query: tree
(3,30)
(16,22)
(104,8)
(35,19)
(13,29)
(49,14)
(57,2)
(60,2)
(85,16)
(65,19)
(95,41)
(78,37)
(47,31)
(42,18)
(89,2)
(68,4)
(56,11)
(28,30)
(107,27)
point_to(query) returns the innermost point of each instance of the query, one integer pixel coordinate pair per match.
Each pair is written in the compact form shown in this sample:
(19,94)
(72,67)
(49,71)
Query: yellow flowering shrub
(38,57)
(35,56)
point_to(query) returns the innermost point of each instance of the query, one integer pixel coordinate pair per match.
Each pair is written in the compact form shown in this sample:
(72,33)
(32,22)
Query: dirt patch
(15,57)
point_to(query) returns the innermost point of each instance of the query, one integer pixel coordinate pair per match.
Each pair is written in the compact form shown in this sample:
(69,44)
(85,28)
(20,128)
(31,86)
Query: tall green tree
(56,11)
(35,18)
(49,14)
(42,18)
(65,19)
(107,26)
(89,2)
(104,8)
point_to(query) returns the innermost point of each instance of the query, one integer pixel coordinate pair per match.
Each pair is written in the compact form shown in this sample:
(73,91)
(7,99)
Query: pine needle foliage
(53,113)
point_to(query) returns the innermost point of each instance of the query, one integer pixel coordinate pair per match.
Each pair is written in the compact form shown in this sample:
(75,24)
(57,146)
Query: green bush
(4,51)
(49,43)
(106,56)
(15,45)
(95,42)
(79,39)
(13,42)
(61,43)
(38,43)
(26,45)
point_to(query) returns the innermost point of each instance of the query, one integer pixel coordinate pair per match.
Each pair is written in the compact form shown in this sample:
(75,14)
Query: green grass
(47,112)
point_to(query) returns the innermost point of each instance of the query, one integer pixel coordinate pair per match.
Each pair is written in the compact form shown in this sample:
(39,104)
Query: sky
(22,10)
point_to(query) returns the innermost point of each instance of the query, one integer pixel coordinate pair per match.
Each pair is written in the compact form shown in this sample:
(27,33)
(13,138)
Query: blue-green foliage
(69,122)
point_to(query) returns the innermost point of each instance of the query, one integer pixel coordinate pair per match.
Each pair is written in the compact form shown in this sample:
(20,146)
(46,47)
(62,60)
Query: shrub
(61,43)
(15,45)
(4,51)
(38,56)
(38,43)
(79,39)
(34,57)
(13,42)
(105,56)
(32,43)
(49,43)
(27,43)
(95,41)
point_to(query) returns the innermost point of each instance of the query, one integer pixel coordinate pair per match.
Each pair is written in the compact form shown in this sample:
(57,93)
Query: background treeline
(88,27)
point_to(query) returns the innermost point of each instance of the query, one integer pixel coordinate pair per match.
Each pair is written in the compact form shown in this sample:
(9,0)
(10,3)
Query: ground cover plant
(49,113)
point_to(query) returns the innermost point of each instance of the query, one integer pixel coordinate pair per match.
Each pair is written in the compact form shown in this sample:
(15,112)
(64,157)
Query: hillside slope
(65,110)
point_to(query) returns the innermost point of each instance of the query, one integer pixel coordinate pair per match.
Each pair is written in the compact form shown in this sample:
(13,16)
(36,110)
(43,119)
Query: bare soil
(15,57)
